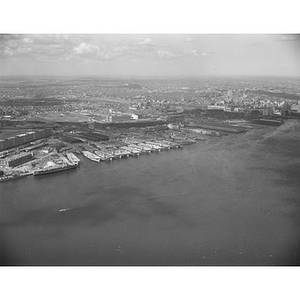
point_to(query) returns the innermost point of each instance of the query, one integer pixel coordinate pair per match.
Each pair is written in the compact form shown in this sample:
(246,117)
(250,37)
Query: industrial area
(58,130)
(64,146)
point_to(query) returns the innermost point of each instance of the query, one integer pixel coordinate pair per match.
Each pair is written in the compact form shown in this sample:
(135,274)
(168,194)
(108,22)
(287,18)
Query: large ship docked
(136,148)
(54,169)
(73,158)
(145,147)
(108,154)
(154,147)
(102,155)
(13,177)
(124,152)
(117,153)
(91,156)
(132,151)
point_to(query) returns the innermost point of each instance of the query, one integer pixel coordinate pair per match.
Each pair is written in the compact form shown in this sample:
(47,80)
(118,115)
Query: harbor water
(231,200)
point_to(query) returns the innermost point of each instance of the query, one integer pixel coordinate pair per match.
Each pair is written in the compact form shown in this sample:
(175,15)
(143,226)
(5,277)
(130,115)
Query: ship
(117,153)
(131,150)
(100,154)
(13,177)
(73,158)
(108,154)
(136,147)
(145,147)
(156,146)
(54,169)
(172,145)
(153,146)
(163,146)
(64,209)
(91,156)
(124,152)
(134,150)
(103,155)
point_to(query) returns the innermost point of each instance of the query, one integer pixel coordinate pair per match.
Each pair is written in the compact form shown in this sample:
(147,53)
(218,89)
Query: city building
(16,160)
(24,138)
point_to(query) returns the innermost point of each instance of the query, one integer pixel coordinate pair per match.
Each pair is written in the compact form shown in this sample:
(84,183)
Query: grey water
(225,201)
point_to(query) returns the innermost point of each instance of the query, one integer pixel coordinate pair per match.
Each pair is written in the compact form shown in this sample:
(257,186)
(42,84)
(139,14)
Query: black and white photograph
(149,149)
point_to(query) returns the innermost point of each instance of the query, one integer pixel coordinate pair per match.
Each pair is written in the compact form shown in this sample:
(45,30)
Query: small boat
(64,209)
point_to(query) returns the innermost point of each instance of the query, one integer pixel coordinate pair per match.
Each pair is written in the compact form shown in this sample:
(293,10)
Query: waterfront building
(16,160)
(24,138)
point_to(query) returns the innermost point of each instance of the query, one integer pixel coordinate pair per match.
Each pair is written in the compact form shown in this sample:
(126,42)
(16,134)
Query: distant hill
(131,86)
(278,95)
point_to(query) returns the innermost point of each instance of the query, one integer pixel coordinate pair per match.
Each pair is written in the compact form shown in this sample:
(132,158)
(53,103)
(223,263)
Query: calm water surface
(226,201)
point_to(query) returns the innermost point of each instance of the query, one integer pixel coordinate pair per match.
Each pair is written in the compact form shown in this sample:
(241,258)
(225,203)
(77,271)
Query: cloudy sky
(149,55)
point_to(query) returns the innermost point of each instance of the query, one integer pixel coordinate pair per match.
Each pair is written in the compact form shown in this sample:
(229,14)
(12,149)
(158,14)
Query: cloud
(289,38)
(18,46)
(165,54)
(194,39)
(39,46)
(207,53)
(132,50)
(196,53)
(86,49)
(7,52)
(193,53)
(183,54)
(145,41)
(53,47)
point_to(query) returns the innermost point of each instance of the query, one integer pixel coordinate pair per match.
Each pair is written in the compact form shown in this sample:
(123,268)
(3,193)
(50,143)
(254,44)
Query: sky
(153,55)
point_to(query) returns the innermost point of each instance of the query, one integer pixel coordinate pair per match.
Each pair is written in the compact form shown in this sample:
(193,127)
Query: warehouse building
(93,136)
(16,160)
(24,138)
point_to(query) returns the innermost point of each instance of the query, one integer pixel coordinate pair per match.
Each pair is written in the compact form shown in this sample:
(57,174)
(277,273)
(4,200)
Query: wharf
(219,127)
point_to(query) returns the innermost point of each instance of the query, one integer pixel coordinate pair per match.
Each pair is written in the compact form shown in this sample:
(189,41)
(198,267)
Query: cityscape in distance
(139,150)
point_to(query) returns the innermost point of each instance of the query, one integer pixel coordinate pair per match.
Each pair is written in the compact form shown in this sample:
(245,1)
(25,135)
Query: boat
(100,154)
(134,150)
(145,147)
(165,145)
(64,209)
(172,145)
(131,150)
(108,154)
(53,170)
(103,155)
(124,152)
(153,146)
(72,158)
(136,147)
(184,141)
(91,156)
(117,153)
(12,177)
(157,145)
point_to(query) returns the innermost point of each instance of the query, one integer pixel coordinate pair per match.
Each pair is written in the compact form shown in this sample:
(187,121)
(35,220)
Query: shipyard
(149,144)
(149,150)
(40,144)
(64,146)
(58,153)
